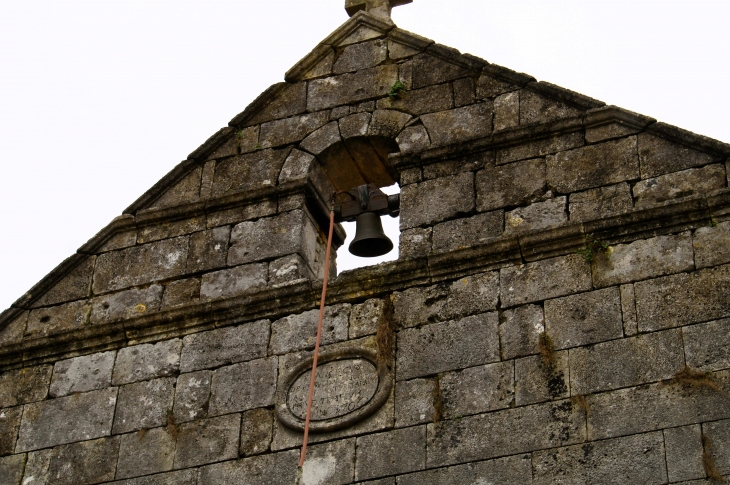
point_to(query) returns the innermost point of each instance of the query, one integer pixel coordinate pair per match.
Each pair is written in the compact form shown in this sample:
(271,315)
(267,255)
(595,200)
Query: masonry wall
(560,312)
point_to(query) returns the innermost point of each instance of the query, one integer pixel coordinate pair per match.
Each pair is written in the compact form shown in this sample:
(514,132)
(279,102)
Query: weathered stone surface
(138,265)
(468,232)
(539,215)
(712,245)
(361,56)
(512,469)
(182,477)
(539,147)
(414,243)
(84,463)
(413,139)
(252,210)
(349,88)
(11,469)
(520,329)
(719,435)
(243,386)
(58,319)
(683,299)
(184,191)
(465,296)
(600,203)
(467,163)
(683,447)
(225,346)
(298,332)
(366,317)
(207,441)
(339,113)
(289,269)
(535,108)
(508,185)
(290,101)
(256,431)
(208,249)
(507,111)
(296,166)
(291,232)
(192,393)
(490,87)
(536,382)
(706,344)
(143,405)
(644,259)
(232,282)
(429,350)
(414,402)
(433,201)
(421,101)
(241,141)
(387,123)
(9,426)
(648,408)
(428,69)
(146,361)
(13,332)
(464,92)
(355,125)
(181,292)
(36,467)
(626,362)
(460,124)
(322,138)
(330,463)
(24,385)
(659,156)
(66,419)
(688,183)
(545,279)
(510,431)
(251,171)
(126,304)
(272,468)
(628,310)
(390,453)
(82,374)
(594,165)
(635,459)
(586,318)
(169,229)
(145,452)
(76,285)
(478,389)
(283,132)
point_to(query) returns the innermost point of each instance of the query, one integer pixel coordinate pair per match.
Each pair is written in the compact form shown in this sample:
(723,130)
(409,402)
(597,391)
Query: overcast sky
(100,98)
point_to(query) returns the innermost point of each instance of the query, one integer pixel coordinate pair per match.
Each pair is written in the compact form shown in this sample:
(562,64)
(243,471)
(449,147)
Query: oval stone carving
(348,389)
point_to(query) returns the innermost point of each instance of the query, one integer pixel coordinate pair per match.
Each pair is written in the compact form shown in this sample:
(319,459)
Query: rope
(316,345)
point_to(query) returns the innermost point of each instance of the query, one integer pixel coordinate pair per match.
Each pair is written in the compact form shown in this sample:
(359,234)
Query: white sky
(100,98)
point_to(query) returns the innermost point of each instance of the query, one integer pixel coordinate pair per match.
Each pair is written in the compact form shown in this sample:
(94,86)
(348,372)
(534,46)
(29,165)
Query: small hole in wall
(346,261)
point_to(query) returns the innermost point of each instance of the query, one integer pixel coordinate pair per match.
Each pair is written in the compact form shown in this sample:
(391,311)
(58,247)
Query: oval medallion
(348,389)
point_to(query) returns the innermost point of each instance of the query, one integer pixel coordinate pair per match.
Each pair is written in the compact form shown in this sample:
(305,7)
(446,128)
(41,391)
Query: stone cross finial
(378,8)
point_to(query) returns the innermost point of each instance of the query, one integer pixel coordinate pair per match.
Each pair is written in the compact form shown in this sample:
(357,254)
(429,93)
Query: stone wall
(560,312)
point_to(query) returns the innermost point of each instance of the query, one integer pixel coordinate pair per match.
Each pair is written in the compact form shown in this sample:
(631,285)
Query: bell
(370,240)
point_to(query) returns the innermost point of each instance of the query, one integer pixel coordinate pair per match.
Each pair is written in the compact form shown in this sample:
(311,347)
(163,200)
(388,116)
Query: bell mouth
(370,241)
(371,248)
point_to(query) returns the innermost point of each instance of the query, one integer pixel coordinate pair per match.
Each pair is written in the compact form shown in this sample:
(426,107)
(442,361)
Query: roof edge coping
(566,95)
(256,105)
(612,114)
(508,75)
(689,138)
(181,170)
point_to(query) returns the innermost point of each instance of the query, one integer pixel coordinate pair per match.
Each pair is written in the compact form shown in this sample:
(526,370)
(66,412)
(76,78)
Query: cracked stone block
(712,245)
(465,296)
(67,419)
(192,394)
(512,469)
(11,469)
(659,156)
(433,201)
(138,265)
(361,56)
(181,292)
(350,88)
(507,111)
(429,350)
(586,318)
(365,318)
(460,124)
(36,467)
(21,386)
(9,426)
(683,448)
(390,453)
(126,304)
(208,249)
(145,452)
(594,165)
(298,332)
(540,215)
(207,441)
(706,344)
(421,101)
(414,402)
(256,431)
(545,279)
(81,374)
(510,185)
(243,386)
(600,203)
(688,183)
(232,282)
(147,361)
(144,405)
(520,329)
(535,108)
(478,389)
(467,232)
(536,382)
(67,317)
(227,345)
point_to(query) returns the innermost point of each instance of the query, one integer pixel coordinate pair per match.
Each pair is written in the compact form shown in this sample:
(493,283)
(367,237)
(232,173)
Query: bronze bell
(370,240)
